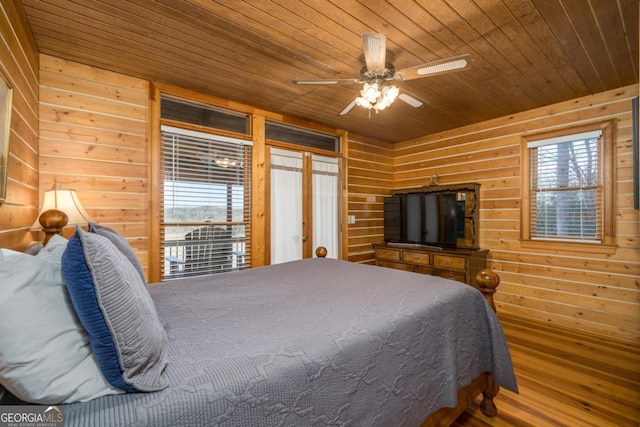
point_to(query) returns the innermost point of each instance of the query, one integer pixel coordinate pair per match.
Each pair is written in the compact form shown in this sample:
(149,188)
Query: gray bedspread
(312,342)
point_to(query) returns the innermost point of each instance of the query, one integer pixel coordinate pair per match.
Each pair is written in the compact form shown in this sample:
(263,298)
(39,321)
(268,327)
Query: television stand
(459,264)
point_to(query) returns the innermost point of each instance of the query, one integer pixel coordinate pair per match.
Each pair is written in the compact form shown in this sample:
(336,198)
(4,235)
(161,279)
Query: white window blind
(566,187)
(206,203)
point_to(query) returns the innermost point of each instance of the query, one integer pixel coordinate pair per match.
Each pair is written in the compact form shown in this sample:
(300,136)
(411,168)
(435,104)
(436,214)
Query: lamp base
(52,222)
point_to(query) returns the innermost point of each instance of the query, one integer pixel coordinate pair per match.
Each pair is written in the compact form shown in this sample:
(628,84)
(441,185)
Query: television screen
(429,219)
(413,220)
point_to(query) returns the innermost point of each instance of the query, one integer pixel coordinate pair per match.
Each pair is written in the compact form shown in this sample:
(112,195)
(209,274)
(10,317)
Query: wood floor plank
(566,378)
(584,383)
(620,356)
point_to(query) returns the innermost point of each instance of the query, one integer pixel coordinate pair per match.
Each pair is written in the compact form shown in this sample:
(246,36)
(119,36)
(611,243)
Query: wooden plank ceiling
(526,53)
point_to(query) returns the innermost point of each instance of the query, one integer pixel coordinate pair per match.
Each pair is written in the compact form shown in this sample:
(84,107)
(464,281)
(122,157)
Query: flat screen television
(433,219)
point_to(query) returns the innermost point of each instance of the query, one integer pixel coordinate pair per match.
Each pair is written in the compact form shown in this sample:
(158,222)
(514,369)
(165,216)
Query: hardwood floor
(566,378)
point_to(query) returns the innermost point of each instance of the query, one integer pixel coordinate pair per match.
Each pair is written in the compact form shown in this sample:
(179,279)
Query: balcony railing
(190,257)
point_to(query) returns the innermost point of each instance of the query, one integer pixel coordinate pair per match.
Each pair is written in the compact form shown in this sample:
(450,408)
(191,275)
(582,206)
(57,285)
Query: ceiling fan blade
(349,107)
(411,99)
(375,50)
(436,67)
(325,81)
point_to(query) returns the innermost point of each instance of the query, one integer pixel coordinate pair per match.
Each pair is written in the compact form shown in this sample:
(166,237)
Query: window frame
(607,243)
(234,144)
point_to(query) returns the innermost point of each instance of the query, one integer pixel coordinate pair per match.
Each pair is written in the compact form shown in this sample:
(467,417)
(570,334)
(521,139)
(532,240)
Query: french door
(304,204)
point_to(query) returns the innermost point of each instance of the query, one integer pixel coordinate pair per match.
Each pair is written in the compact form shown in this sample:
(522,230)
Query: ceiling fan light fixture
(381,105)
(374,94)
(370,92)
(390,93)
(362,102)
(377,97)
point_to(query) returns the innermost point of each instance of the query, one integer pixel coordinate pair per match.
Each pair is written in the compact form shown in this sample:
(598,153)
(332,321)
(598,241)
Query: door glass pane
(286,206)
(326,206)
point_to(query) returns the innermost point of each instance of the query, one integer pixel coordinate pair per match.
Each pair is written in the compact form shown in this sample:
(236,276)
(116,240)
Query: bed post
(488,281)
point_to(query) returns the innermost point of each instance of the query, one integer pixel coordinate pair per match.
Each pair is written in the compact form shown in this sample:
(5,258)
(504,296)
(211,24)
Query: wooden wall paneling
(627,218)
(94,135)
(594,291)
(370,175)
(19,65)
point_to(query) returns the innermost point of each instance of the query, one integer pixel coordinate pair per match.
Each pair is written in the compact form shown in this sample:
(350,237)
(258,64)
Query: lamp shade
(66,201)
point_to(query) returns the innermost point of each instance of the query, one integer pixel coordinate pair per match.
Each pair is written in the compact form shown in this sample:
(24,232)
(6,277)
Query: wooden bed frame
(487,283)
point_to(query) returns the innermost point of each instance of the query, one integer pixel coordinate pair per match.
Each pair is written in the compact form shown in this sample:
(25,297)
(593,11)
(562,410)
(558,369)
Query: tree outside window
(565,198)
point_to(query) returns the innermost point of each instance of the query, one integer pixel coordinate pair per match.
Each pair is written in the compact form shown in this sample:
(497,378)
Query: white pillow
(45,355)
(56,245)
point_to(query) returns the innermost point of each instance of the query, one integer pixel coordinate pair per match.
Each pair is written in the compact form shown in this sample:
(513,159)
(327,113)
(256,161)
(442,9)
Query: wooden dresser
(458,264)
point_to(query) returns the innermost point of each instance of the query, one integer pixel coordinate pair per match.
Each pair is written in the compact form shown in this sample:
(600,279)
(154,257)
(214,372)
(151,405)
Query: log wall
(93,138)
(369,179)
(594,291)
(19,65)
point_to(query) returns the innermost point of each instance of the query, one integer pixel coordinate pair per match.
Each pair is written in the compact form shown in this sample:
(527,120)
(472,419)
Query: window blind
(565,138)
(206,199)
(566,187)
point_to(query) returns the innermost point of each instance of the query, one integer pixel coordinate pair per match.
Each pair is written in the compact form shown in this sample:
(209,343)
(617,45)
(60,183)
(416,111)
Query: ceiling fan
(375,94)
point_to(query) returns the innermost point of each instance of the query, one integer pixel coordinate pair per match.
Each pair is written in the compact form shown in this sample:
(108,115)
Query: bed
(312,342)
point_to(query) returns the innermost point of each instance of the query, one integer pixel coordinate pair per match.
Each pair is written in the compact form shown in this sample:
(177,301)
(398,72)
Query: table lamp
(60,208)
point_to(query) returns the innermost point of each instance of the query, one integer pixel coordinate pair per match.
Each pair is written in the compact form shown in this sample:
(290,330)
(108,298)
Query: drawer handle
(448,262)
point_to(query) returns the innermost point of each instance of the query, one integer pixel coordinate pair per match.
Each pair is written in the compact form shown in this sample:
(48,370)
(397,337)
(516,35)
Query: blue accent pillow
(115,308)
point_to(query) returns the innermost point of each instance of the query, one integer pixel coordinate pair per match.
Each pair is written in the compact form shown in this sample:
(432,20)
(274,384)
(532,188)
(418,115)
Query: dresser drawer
(447,261)
(459,264)
(395,265)
(416,257)
(388,254)
(453,275)
(425,270)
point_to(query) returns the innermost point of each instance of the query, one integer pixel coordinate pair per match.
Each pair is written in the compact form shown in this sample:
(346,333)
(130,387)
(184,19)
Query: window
(205,202)
(187,112)
(307,138)
(568,194)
